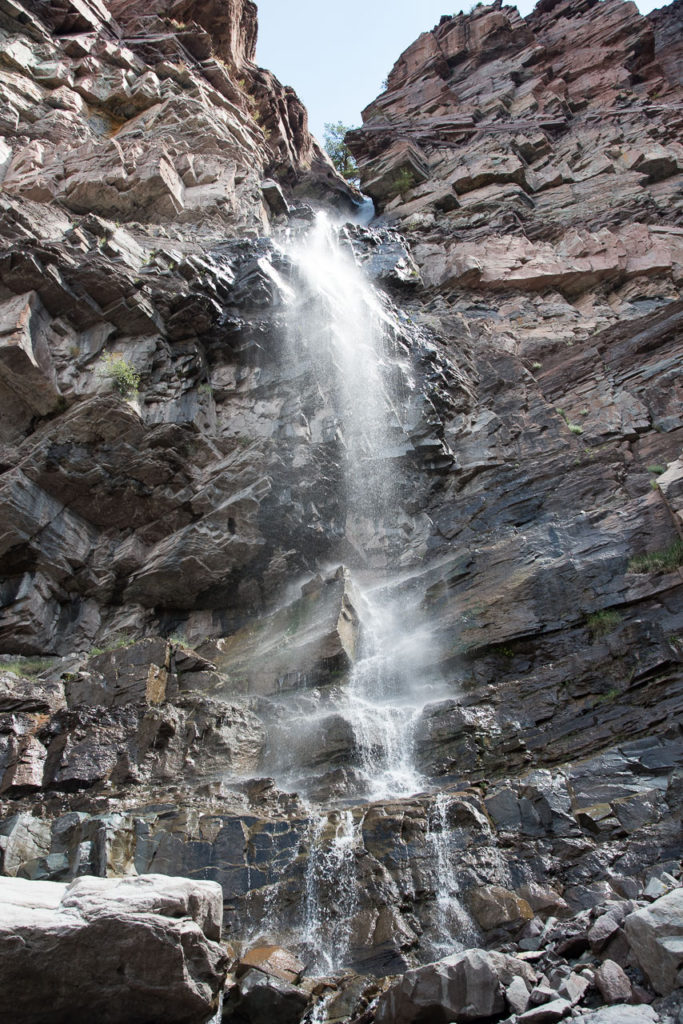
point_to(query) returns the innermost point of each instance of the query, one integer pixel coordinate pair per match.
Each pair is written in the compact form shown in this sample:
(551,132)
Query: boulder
(273,195)
(274,961)
(260,997)
(495,907)
(517,996)
(574,987)
(111,950)
(138,672)
(308,642)
(655,935)
(463,987)
(619,1015)
(606,927)
(613,983)
(547,1013)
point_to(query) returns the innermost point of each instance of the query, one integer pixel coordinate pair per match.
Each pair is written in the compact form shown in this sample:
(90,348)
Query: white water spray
(454,928)
(339,323)
(331,893)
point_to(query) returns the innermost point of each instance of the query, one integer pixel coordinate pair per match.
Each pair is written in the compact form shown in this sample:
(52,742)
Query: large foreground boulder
(137,949)
(466,986)
(655,934)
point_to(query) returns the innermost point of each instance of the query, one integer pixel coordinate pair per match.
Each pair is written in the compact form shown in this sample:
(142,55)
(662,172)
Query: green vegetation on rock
(26,666)
(124,376)
(603,622)
(666,560)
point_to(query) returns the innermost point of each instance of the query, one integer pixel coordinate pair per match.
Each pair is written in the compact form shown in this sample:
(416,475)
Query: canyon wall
(182,591)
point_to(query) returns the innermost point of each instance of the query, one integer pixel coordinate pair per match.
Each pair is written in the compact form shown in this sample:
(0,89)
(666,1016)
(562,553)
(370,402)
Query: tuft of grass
(573,427)
(116,644)
(657,469)
(609,697)
(178,639)
(28,667)
(666,560)
(537,366)
(603,622)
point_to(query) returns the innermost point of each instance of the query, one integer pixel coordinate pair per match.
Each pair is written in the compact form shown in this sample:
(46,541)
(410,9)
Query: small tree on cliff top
(338,152)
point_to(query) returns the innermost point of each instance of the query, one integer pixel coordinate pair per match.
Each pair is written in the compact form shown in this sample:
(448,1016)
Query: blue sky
(336,55)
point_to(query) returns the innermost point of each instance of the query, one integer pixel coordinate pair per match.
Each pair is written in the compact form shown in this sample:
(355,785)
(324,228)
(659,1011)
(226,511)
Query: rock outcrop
(186,586)
(114,950)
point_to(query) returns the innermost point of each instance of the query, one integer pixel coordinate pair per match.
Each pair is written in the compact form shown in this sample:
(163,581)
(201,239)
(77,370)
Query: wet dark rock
(257,997)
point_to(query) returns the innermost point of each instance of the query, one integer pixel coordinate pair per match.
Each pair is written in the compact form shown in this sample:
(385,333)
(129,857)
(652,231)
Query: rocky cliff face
(183,565)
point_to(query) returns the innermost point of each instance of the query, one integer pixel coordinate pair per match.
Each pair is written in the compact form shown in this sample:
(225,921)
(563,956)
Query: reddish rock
(613,983)
(274,961)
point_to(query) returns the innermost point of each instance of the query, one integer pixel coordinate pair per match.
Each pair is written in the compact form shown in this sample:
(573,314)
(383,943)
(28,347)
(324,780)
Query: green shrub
(666,560)
(124,377)
(575,428)
(603,622)
(657,470)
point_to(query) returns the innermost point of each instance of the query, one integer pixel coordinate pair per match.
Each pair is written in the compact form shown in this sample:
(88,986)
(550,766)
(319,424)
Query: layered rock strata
(180,590)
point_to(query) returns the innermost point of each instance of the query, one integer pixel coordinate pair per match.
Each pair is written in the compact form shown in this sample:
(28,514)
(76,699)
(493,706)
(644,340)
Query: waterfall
(381,706)
(355,368)
(331,890)
(338,324)
(453,927)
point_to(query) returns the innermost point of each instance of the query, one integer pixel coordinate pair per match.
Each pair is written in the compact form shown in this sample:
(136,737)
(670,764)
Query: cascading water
(379,705)
(341,326)
(331,892)
(454,929)
(357,382)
